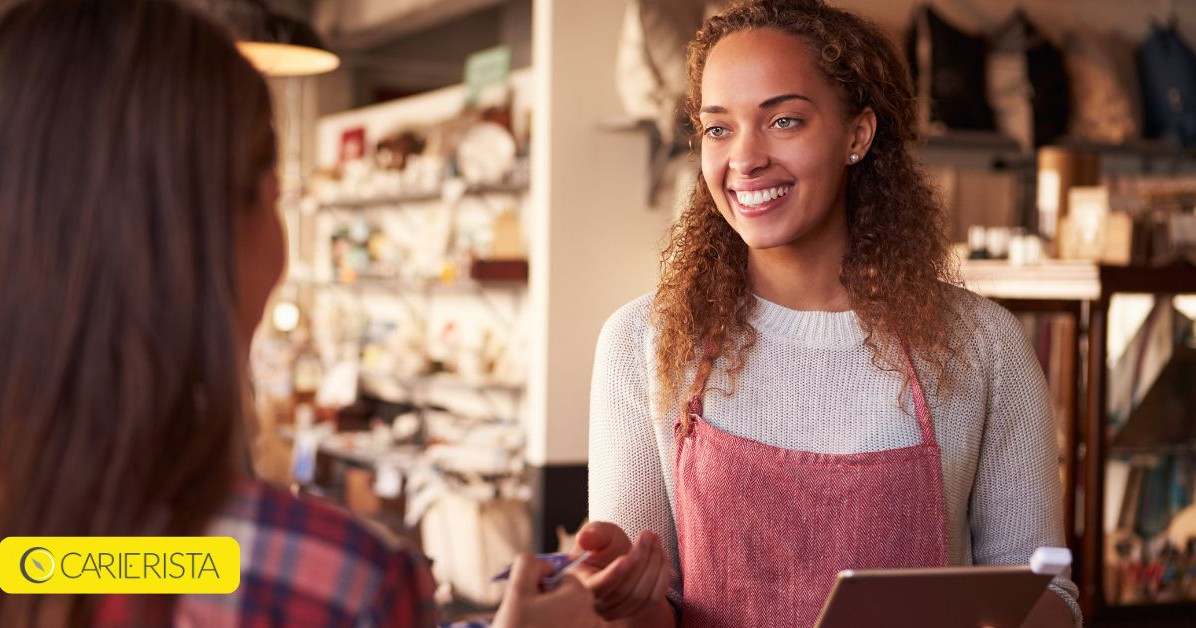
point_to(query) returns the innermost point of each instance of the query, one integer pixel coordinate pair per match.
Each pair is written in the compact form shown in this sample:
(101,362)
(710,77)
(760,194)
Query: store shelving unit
(489,294)
(1178,279)
(501,300)
(1085,291)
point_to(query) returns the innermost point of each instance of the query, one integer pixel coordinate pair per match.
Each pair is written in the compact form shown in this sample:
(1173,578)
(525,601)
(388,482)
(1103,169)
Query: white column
(596,241)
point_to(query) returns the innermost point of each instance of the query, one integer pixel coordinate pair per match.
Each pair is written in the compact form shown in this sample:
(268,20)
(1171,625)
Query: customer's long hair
(131,133)
(898,258)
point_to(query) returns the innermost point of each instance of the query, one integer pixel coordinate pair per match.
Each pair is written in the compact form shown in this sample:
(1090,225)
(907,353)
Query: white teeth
(749,199)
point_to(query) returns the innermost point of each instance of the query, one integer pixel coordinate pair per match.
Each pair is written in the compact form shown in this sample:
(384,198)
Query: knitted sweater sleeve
(627,483)
(1016,502)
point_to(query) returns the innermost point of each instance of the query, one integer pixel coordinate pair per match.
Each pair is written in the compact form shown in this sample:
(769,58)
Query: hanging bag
(948,66)
(1168,85)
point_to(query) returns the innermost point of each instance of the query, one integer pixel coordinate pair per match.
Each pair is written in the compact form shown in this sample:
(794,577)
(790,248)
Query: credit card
(560,564)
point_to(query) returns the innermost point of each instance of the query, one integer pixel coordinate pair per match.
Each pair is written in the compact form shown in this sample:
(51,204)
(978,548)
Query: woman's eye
(786,123)
(715,132)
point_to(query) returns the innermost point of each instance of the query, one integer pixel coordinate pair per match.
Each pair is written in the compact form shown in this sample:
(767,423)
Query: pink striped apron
(762,531)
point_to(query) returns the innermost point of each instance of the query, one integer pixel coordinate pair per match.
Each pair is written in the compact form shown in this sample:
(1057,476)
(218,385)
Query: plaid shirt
(303,563)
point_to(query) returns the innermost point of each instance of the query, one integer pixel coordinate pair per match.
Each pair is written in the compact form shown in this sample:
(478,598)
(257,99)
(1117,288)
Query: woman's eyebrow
(771,102)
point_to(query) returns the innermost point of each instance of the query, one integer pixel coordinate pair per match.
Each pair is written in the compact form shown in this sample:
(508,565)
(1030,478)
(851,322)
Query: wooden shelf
(970,140)
(1131,148)
(996,141)
(993,151)
(1176,278)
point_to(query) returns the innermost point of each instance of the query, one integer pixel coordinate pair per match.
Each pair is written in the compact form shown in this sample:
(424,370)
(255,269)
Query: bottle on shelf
(307,370)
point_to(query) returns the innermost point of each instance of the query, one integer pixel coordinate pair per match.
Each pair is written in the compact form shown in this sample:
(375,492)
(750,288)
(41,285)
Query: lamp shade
(276,44)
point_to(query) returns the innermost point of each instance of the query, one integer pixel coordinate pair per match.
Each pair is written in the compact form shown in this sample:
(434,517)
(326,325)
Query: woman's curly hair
(898,266)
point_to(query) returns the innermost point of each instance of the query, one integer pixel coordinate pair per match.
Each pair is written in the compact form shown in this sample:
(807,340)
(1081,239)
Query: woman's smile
(751,202)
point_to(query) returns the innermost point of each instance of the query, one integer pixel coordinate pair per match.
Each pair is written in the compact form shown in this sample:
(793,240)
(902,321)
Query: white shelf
(397,284)
(998,279)
(399,200)
(390,386)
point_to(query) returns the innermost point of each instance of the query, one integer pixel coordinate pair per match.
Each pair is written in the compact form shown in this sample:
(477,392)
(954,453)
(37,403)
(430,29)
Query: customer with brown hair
(138,245)
(807,391)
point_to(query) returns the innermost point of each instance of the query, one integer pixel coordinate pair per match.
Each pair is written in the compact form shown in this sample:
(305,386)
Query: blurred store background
(472,186)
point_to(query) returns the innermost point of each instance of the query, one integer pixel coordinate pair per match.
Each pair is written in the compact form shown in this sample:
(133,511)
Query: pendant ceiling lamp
(276,44)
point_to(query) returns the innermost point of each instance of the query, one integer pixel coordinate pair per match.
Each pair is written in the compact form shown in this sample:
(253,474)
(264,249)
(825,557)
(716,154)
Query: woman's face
(776,141)
(261,254)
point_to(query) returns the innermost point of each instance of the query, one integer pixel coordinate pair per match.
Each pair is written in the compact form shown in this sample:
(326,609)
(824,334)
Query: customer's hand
(525,606)
(625,578)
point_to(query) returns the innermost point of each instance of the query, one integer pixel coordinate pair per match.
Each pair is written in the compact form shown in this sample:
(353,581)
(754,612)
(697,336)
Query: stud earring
(853,158)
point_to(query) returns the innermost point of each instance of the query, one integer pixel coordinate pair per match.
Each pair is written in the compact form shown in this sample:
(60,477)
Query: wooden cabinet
(1097,433)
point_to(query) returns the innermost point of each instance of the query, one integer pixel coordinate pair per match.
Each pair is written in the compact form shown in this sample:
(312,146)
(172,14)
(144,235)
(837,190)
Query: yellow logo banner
(119,564)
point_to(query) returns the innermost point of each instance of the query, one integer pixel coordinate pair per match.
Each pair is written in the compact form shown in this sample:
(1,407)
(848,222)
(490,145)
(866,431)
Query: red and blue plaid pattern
(303,563)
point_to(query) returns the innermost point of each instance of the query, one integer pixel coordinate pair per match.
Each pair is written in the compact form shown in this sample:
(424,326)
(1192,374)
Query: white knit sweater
(810,384)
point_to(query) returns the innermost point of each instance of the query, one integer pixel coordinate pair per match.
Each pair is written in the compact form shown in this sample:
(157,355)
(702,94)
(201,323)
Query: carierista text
(139,565)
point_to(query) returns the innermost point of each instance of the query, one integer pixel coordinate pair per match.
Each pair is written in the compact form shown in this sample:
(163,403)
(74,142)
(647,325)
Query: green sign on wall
(485,68)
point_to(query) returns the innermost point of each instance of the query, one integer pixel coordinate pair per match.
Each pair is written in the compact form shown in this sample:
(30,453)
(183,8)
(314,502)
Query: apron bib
(763,531)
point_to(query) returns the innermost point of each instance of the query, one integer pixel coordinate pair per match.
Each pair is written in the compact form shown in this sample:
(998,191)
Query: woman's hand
(524,605)
(626,579)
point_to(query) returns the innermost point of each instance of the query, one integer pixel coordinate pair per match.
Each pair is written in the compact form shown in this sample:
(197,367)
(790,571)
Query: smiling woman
(775,139)
(870,413)
(811,91)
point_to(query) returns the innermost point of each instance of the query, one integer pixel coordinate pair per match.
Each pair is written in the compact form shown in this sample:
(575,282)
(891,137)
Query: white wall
(596,242)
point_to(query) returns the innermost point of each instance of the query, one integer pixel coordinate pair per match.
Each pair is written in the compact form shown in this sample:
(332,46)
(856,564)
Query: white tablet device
(942,597)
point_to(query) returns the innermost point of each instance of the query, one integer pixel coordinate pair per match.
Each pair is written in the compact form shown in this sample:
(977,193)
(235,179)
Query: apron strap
(693,408)
(686,418)
(921,408)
